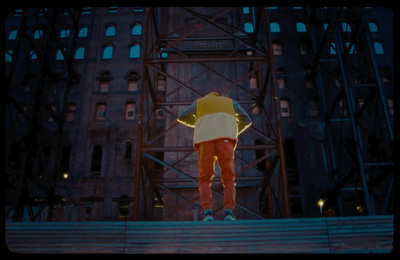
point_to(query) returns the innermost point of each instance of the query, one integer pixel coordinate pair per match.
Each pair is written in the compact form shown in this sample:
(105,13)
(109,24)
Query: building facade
(74,80)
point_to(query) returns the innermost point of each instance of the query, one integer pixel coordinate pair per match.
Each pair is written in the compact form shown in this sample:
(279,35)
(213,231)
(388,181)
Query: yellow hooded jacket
(215,117)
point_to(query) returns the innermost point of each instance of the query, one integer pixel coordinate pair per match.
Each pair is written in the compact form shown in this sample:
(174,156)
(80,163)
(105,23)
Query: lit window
(9,56)
(373,27)
(32,55)
(64,33)
(107,52)
(13,35)
(285,107)
(274,27)
(352,51)
(17,12)
(38,34)
(130,110)
(137,29)
(113,10)
(80,53)
(138,9)
(134,52)
(101,111)
(332,48)
(301,27)
(378,48)
(163,54)
(110,30)
(86,10)
(248,27)
(346,27)
(59,55)
(83,32)
(277,49)
(246,10)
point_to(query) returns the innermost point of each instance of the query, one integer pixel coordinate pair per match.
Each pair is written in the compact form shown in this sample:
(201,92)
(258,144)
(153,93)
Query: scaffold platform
(366,234)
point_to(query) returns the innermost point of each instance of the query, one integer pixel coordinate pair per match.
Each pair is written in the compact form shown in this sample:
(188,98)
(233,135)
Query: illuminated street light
(65,175)
(321,203)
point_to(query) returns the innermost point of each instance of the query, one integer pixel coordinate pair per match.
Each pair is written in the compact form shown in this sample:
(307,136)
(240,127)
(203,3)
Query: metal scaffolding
(359,128)
(189,52)
(32,175)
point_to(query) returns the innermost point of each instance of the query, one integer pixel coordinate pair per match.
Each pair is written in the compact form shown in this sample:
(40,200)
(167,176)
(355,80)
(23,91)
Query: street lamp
(321,203)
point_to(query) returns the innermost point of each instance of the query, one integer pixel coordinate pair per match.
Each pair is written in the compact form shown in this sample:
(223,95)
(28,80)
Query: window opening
(134,51)
(100,111)
(97,154)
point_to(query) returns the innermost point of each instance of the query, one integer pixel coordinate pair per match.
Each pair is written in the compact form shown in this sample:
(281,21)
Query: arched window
(83,32)
(132,81)
(12,35)
(108,52)
(301,27)
(274,27)
(110,30)
(378,48)
(97,155)
(134,52)
(38,34)
(137,29)
(248,27)
(373,27)
(104,79)
(79,53)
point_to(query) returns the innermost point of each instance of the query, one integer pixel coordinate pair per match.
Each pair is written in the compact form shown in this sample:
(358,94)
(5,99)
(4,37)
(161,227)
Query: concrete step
(372,234)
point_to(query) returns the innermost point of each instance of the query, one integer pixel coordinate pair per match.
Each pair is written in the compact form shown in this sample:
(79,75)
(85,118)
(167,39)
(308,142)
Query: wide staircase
(366,234)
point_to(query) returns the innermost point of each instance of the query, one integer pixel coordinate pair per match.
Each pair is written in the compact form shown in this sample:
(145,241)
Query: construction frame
(209,48)
(359,129)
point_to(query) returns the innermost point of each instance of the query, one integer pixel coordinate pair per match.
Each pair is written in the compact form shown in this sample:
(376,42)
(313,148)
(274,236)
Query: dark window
(96,160)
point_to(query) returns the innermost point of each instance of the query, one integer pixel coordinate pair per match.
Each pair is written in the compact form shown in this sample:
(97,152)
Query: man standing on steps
(217,122)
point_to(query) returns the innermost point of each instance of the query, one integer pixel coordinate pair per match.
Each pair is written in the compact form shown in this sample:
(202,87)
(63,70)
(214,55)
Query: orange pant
(209,152)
